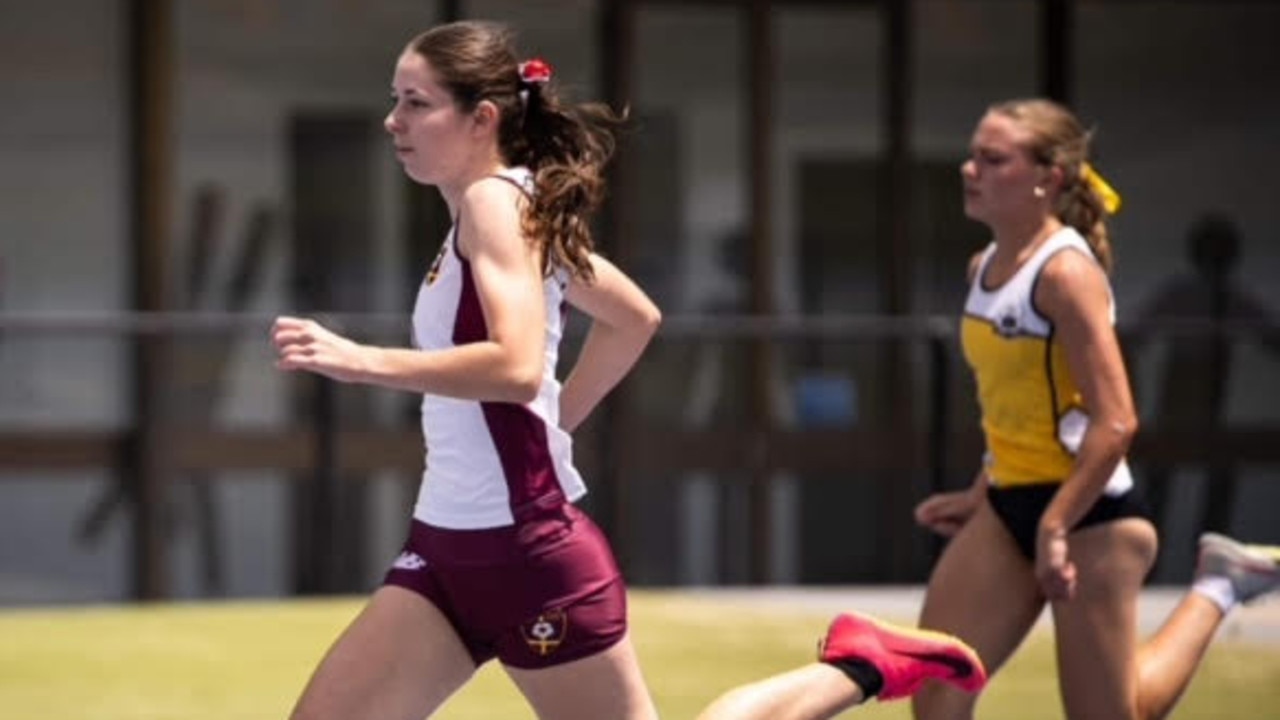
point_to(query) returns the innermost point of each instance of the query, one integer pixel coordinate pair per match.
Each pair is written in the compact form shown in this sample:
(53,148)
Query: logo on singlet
(546,633)
(1008,325)
(409,561)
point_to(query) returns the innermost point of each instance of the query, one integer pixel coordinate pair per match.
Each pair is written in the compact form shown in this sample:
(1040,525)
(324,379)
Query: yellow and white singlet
(1033,416)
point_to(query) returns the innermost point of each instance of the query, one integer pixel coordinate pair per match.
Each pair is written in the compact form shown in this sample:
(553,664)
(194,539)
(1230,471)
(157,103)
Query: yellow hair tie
(1110,198)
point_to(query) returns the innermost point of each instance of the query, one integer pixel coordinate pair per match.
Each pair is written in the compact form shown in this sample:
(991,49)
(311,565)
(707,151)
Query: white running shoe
(1254,570)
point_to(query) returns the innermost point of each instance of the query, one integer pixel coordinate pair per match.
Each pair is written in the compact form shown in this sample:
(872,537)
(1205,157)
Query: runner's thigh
(608,684)
(1097,629)
(398,660)
(983,590)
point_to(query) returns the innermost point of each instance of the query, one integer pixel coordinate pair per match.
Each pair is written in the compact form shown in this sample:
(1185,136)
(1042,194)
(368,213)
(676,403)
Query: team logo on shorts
(409,561)
(546,633)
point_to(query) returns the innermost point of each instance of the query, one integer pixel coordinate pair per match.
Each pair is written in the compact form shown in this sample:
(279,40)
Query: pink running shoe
(905,657)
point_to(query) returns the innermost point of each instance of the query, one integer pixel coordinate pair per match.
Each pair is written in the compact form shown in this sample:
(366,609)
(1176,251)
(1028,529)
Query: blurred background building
(175,172)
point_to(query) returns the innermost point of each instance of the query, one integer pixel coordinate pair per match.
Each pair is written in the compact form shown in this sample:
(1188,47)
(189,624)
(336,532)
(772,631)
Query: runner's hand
(1054,569)
(946,512)
(303,344)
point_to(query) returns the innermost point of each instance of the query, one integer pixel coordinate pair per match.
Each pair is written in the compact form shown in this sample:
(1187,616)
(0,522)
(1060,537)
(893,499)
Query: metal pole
(895,246)
(759,87)
(1057,30)
(149,61)
(617,57)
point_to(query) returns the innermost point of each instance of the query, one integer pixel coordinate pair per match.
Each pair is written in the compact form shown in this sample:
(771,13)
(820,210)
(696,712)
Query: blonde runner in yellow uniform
(1052,517)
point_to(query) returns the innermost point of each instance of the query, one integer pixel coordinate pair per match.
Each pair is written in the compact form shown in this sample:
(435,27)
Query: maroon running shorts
(539,593)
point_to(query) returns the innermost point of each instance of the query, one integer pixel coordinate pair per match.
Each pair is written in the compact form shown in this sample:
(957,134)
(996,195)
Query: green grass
(242,661)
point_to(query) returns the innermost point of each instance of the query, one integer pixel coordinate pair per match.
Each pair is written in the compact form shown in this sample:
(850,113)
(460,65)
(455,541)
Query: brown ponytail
(565,145)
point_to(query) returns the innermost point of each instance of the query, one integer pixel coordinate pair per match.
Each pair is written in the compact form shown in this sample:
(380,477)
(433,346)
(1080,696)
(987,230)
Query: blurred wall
(1182,95)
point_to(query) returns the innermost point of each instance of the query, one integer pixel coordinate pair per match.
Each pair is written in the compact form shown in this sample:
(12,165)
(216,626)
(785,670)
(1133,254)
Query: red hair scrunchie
(535,71)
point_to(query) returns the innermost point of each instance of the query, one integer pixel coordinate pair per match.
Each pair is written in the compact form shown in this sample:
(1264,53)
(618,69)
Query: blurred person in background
(1195,380)
(499,563)
(1053,516)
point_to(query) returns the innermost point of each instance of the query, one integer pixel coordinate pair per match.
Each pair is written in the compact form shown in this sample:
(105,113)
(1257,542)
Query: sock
(863,673)
(1218,590)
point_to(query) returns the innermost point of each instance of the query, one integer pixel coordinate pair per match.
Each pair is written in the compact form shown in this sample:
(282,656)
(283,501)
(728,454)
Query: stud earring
(1039,191)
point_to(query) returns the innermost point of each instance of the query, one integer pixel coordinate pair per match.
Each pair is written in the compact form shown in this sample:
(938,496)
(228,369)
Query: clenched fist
(303,344)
